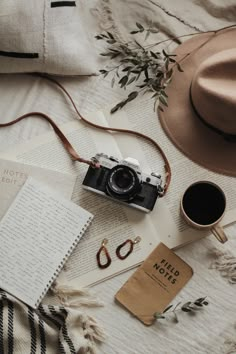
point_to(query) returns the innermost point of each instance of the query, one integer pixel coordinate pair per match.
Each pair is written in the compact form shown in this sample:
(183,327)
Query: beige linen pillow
(45,36)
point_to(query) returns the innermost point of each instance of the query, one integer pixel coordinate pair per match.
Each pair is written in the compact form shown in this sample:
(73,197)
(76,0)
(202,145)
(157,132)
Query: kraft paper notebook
(37,235)
(154,284)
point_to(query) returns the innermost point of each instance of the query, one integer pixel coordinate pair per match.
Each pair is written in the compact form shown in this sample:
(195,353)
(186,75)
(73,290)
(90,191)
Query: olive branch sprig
(149,69)
(136,62)
(188,307)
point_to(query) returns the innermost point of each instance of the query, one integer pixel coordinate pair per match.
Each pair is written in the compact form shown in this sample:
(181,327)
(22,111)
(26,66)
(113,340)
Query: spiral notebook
(37,235)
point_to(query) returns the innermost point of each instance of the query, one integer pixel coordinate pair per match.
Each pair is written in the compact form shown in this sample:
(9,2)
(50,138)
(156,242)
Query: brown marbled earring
(105,251)
(130,250)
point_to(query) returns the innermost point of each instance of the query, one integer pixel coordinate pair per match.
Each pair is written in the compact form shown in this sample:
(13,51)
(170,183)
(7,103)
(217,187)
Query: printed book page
(173,231)
(37,235)
(113,221)
(14,174)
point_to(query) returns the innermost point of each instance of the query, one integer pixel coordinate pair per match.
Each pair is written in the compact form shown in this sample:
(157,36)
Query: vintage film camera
(124,181)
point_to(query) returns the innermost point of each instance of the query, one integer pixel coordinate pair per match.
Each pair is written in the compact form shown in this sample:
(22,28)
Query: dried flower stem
(189,307)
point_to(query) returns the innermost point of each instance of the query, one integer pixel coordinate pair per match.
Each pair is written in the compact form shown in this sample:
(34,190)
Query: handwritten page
(13,175)
(37,235)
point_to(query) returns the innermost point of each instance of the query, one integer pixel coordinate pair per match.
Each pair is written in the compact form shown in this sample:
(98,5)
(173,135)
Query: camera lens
(122,183)
(123,179)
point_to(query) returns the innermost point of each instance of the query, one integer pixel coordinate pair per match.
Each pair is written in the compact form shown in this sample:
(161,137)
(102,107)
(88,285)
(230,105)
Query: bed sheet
(213,331)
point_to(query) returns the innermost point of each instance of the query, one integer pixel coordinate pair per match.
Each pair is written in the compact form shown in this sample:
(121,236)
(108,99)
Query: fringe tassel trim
(73,297)
(225,262)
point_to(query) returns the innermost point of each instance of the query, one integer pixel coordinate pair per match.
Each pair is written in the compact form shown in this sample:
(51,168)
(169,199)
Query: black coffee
(204,203)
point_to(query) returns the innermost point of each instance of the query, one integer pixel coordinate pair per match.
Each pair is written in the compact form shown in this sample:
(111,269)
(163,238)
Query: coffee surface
(204,203)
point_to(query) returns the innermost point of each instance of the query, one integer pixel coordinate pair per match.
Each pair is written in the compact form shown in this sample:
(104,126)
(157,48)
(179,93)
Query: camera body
(124,182)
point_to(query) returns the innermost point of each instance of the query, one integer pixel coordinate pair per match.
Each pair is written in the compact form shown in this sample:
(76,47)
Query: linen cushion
(46,36)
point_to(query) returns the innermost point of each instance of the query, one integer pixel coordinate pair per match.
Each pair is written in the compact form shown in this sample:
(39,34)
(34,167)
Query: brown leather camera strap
(70,148)
(59,133)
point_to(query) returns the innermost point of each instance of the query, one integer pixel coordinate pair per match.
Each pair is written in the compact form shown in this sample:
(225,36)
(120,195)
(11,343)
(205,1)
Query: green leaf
(169,73)
(147,35)
(111,41)
(176,318)
(153,30)
(156,104)
(186,304)
(132,96)
(138,76)
(200,299)
(134,32)
(153,55)
(131,80)
(146,73)
(127,68)
(163,101)
(135,71)
(105,54)
(168,81)
(155,95)
(112,82)
(169,307)
(165,54)
(110,35)
(134,61)
(185,309)
(167,63)
(114,109)
(117,107)
(123,81)
(158,315)
(179,68)
(162,92)
(114,55)
(139,26)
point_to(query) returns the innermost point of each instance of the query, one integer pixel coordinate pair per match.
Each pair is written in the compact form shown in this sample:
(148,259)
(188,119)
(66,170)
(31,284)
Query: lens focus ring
(122,182)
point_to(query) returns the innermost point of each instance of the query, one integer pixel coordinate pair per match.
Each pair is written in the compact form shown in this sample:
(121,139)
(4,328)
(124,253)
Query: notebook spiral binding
(64,260)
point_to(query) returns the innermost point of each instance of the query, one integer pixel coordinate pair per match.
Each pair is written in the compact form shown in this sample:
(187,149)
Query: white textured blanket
(213,330)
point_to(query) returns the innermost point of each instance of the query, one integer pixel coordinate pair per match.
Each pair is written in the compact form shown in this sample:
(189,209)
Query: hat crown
(213,91)
(208,61)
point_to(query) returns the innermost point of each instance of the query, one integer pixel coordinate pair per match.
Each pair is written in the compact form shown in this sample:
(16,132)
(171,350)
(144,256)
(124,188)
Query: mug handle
(219,233)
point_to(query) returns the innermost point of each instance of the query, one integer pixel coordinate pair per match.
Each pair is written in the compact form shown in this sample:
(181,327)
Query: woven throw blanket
(48,330)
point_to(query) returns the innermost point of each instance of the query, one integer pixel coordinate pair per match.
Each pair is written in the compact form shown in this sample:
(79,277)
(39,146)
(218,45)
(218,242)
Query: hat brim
(180,122)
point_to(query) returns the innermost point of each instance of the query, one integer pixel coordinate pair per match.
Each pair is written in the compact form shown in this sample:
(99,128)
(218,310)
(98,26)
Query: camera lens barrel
(122,183)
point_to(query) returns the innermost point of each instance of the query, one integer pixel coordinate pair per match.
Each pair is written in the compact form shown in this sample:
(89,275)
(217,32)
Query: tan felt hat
(201,115)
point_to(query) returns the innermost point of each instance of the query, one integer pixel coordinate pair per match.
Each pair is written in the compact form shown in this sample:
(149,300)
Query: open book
(112,220)
(13,175)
